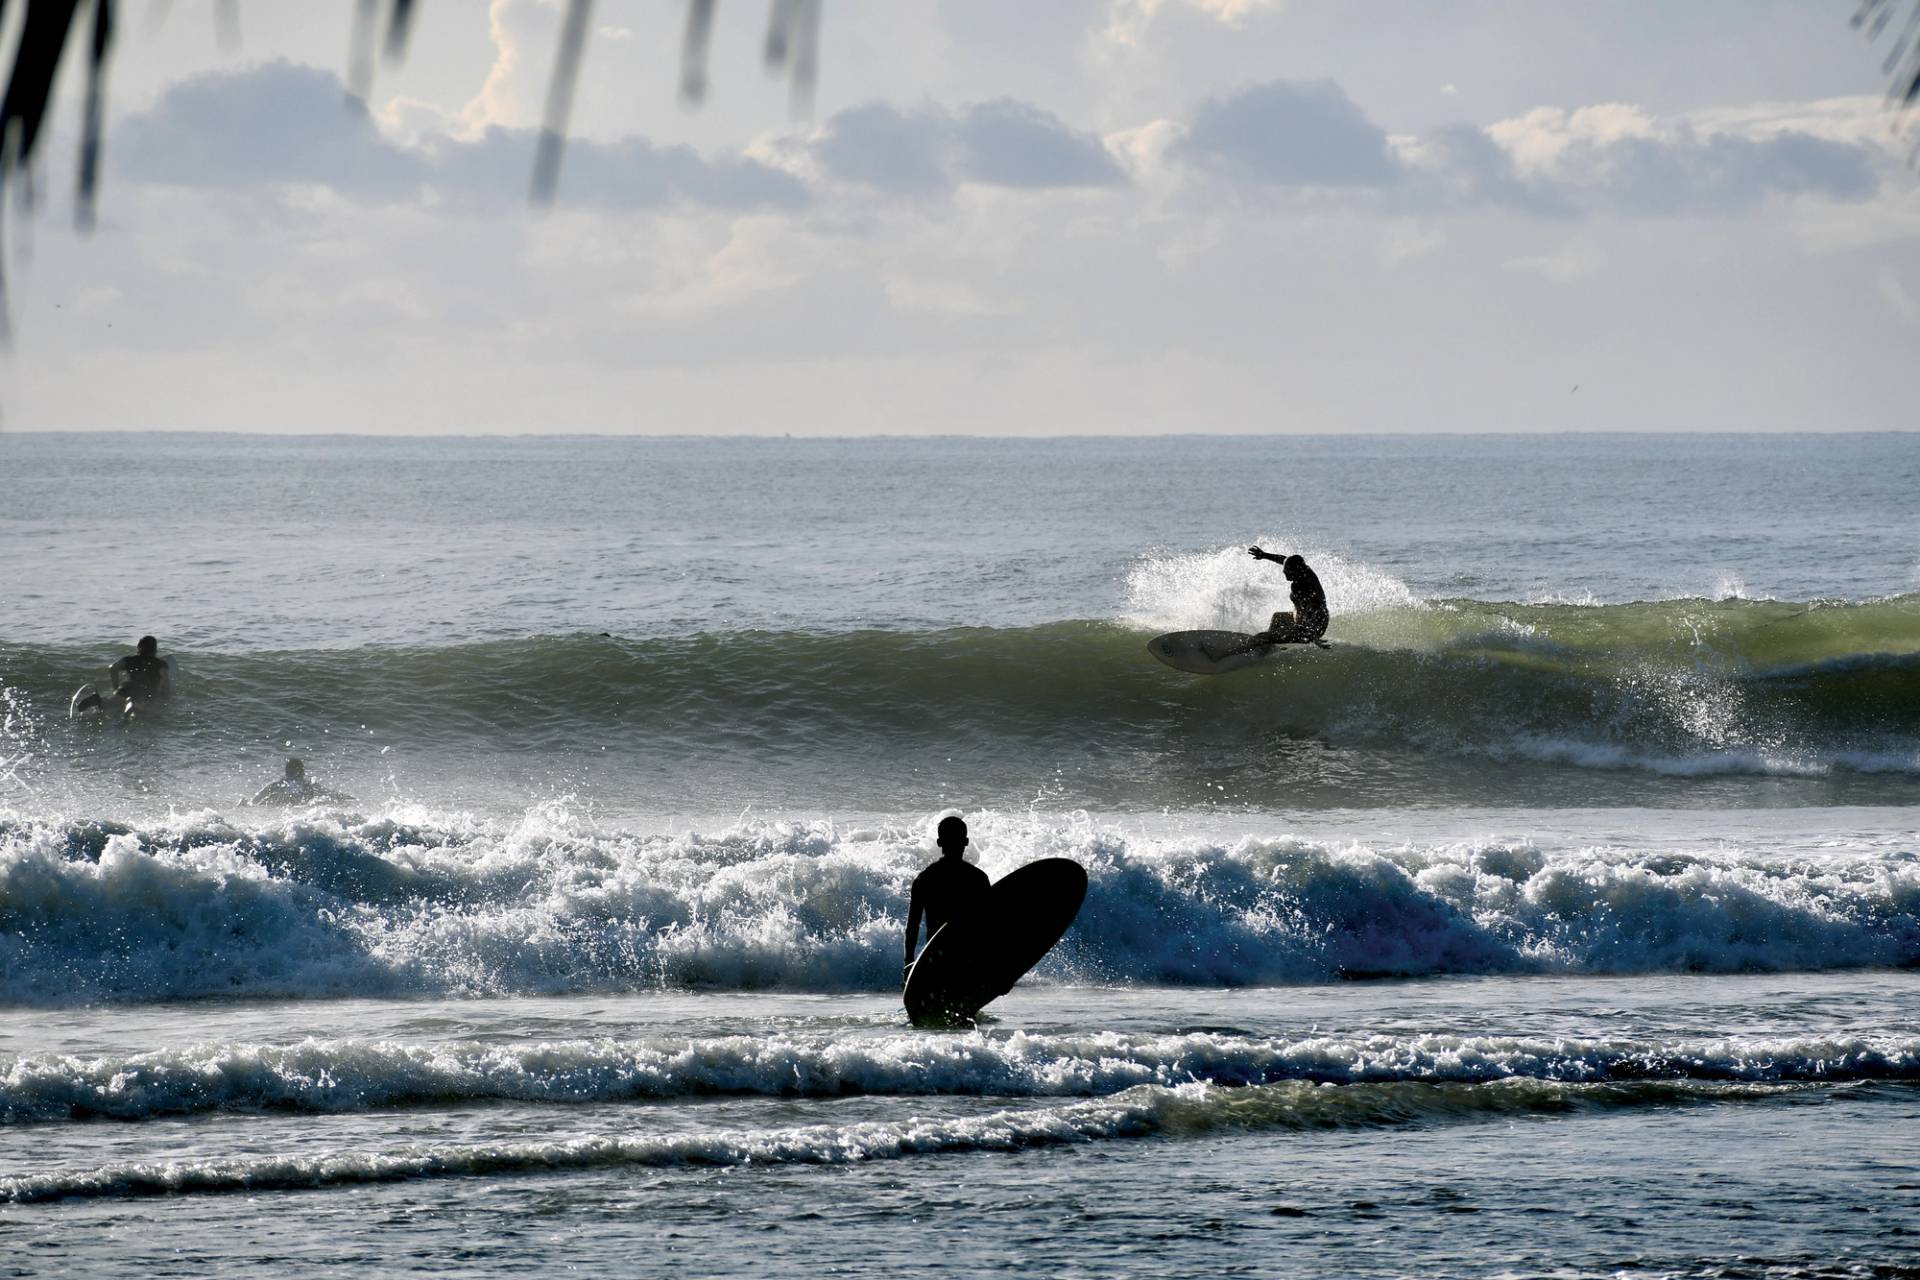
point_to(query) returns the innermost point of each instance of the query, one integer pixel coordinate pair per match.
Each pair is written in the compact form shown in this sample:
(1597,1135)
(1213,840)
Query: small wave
(1146,1111)
(329,1076)
(317,907)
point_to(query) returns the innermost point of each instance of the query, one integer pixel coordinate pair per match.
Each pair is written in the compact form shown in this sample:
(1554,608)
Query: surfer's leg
(1248,645)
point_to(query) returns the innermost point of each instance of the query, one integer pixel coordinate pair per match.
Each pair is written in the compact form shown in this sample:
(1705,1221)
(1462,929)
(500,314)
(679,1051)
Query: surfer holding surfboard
(981,938)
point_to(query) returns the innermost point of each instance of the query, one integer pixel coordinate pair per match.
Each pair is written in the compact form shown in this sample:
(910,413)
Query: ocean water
(1563,918)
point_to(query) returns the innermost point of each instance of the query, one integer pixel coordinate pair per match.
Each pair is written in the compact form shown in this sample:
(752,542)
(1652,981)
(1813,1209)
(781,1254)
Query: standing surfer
(1307,622)
(948,888)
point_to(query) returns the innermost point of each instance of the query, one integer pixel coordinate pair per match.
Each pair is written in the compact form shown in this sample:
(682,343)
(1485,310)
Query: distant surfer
(295,787)
(140,679)
(946,889)
(1304,625)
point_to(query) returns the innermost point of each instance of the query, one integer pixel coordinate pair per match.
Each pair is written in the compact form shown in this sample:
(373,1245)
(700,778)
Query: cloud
(1128,20)
(1617,158)
(1610,158)
(1011,144)
(282,123)
(928,150)
(1722,173)
(276,123)
(1463,166)
(1289,133)
(628,174)
(884,147)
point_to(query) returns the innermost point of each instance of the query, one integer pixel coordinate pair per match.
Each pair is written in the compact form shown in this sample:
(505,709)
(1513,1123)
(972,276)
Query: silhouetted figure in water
(948,888)
(1309,619)
(140,679)
(295,788)
(142,676)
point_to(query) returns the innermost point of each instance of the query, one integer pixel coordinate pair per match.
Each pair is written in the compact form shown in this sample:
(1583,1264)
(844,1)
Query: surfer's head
(951,835)
(296,770)
(1292,565)
(147,646)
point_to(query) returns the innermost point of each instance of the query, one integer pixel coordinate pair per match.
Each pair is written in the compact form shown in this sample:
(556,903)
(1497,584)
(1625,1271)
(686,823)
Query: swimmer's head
(148,646)
(296,770)
(951,835)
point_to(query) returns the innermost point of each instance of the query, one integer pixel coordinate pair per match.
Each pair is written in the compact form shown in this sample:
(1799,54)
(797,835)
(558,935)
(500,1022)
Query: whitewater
(1526,930)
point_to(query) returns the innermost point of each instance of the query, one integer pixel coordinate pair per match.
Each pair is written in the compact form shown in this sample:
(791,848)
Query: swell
(333,1076)
(1143,1112)
(319,907)
(1680,686)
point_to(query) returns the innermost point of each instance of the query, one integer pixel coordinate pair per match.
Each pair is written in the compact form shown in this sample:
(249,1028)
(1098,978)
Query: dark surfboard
(976,959)
(1193,651)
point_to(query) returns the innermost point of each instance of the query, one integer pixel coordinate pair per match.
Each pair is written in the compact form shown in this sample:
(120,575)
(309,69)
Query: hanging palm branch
(1903,59)
(48,27)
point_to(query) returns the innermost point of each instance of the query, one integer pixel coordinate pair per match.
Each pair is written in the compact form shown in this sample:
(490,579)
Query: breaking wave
(330,1076)
(331,905)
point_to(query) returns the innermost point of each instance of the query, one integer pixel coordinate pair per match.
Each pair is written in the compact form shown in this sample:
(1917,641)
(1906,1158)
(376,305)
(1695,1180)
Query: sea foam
(321,906)
(330,1076)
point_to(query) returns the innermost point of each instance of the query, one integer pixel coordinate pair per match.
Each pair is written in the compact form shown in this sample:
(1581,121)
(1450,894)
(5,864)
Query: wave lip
(323,1076)
(550,905)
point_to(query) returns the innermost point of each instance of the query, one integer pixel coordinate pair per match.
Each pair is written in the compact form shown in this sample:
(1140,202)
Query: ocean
(1562,918)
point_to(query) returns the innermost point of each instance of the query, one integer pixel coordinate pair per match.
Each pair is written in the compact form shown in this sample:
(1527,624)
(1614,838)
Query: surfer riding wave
(1309,618)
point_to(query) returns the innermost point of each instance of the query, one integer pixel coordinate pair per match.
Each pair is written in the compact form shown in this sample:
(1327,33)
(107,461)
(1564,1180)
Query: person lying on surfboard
(947,888)
(139,679)
(297,788)
(1307,622)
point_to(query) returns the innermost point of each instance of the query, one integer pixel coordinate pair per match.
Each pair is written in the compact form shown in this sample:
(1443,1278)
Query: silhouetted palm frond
(48,27)
(1902,63)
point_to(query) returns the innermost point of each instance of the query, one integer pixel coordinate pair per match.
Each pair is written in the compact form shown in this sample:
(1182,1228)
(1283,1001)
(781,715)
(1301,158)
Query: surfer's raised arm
(1258,554)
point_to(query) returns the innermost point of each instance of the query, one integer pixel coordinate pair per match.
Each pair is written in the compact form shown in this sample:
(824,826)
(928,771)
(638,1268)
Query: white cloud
(495,103)
(1128,20)
(1539,140)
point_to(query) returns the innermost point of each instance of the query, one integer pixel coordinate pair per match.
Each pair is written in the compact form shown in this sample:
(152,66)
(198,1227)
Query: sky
(992,217)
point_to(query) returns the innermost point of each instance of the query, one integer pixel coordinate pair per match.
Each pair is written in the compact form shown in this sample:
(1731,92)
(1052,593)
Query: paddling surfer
(1309,619)
(139,679)
(948,888)
(295,787)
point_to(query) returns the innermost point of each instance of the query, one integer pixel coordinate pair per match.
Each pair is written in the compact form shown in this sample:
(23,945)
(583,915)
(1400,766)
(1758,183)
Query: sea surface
(1562,918)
